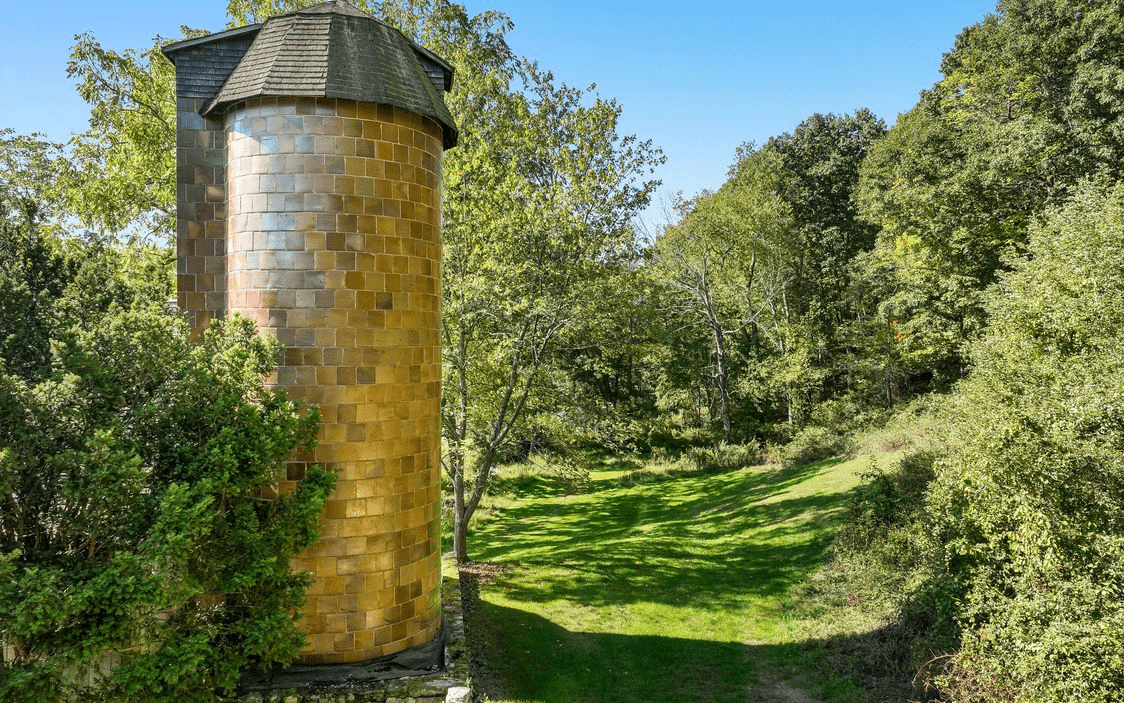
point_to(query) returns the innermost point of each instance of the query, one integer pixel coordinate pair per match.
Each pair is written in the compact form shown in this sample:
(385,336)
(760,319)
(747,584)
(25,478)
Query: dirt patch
(773,690)
(483,572)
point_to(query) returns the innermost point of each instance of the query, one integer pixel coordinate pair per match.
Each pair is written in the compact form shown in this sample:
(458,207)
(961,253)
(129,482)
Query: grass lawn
(670,590)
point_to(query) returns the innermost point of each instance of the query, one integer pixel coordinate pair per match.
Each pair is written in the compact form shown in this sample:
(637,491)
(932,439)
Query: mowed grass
(670,590)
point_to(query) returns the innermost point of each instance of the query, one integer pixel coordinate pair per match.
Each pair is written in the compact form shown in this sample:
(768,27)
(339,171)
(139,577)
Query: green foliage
(1030,503)
(1030,104)
(540,194)
(887,566)
(29,193)
(33,275)
(723,456)
(132,524)
(810,444)
(756,278)
(120,174)
(820,162)
(722,266)
(888,500)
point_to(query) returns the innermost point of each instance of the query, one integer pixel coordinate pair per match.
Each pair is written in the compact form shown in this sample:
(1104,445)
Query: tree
(29,192)
(540,197)
(120,175)
(819,172)
(763,265)
(721,261)
(819,164)
(33,275)
(1029,104)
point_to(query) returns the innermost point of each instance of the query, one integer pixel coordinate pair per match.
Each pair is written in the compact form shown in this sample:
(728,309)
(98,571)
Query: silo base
(420,661)
(436,672)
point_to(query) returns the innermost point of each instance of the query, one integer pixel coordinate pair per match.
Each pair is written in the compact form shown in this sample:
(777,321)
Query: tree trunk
(460,539)
(460,518)
(722,381)
(888,380)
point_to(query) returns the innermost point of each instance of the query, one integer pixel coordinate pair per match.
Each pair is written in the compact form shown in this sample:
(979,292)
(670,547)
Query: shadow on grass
(707,539)
(524,657)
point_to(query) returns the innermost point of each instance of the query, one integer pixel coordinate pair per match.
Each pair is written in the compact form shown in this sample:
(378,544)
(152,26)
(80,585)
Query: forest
(949,287)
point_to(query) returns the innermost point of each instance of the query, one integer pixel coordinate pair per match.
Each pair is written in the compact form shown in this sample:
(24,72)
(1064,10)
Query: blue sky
(698,78)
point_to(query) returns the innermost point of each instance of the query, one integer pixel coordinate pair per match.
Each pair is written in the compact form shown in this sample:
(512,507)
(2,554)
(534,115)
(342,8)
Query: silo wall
(334,246)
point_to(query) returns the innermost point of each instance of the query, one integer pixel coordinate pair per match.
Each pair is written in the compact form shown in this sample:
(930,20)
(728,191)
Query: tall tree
(819,165)
(1029,104)
(764,264)
(723,261)
(30,192)
(121,172)
(539,207)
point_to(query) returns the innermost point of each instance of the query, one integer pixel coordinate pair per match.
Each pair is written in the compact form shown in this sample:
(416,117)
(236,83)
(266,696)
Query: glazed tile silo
(308,183)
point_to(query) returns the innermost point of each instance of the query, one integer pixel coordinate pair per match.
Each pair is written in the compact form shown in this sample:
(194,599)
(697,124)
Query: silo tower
(308,192)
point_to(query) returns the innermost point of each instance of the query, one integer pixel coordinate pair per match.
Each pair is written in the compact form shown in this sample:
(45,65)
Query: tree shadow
(521,656)
(672,542)
(711,542)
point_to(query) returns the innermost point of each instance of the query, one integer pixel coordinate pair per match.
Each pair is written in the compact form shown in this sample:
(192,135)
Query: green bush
(887,567)
(810,444)
(1030,503)
(722,456)
(887,500)
(132,523)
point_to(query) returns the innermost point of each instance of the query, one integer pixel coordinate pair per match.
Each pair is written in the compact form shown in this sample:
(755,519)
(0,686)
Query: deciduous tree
(539,208)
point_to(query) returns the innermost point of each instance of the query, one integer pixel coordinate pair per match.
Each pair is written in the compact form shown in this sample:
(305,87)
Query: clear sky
(697,77)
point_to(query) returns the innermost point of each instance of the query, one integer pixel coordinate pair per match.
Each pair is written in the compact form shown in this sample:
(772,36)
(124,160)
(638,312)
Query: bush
(1030,503)
(887,567)
(811,444)
(132,522)
(723,456)
(921,425)
(888,499)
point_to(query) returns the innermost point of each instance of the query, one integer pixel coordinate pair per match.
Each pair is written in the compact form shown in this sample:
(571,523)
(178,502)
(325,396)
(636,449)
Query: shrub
(132,521)
(723,456)
(132,517)
(1030,503)
(887,567)
(887,500)
(811,444)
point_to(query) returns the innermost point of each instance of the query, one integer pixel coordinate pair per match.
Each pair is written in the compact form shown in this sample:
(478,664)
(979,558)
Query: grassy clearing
(673,589)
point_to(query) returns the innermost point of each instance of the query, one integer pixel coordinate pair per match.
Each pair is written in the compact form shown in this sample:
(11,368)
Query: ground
(674,589)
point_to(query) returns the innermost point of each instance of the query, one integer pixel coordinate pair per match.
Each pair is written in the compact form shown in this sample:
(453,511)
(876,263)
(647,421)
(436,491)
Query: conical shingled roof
(334,50)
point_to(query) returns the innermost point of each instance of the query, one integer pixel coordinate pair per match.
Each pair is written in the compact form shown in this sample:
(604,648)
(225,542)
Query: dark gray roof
(334,50)
(203,64)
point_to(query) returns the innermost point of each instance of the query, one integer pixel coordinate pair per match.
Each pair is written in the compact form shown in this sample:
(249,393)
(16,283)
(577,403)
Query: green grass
(672,589)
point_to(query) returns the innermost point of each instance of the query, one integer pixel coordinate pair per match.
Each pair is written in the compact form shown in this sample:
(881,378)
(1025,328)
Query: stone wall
(200,213)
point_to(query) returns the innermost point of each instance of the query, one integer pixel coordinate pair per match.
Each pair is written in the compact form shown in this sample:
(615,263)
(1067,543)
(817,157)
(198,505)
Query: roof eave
(169,49)
(445,65)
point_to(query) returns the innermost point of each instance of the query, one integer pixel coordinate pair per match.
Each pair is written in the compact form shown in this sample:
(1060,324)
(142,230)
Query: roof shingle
(334,50)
